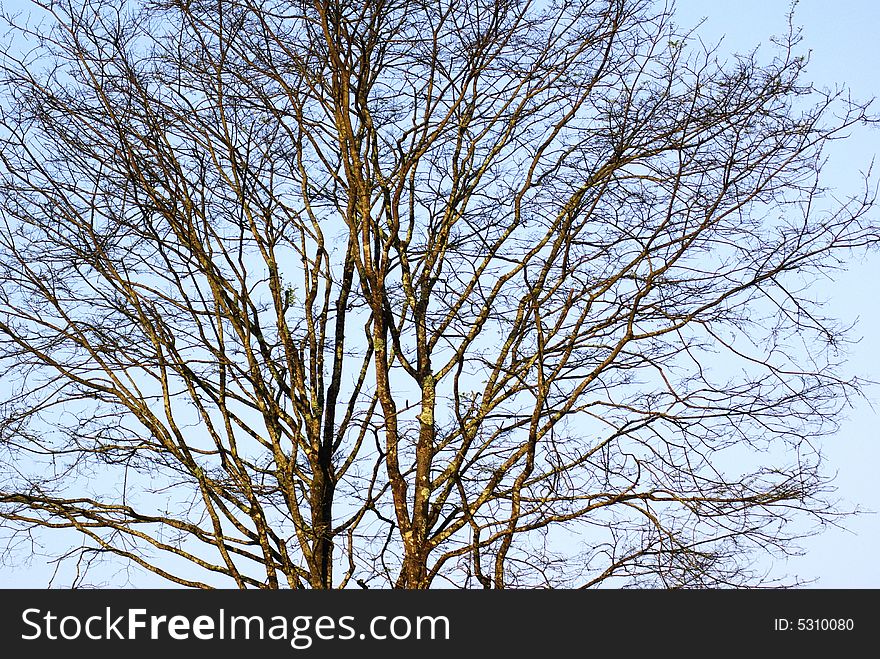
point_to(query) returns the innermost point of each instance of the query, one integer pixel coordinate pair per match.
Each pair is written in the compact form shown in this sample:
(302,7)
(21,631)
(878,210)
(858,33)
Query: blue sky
(844,49)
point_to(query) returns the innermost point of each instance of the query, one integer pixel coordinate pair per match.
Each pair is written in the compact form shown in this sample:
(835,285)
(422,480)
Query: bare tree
(398,293)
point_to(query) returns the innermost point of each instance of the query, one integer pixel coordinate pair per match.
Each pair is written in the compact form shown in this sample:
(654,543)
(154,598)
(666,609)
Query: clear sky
(845,49)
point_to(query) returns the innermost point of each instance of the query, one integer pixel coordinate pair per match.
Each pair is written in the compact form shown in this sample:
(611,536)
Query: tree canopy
(480,293)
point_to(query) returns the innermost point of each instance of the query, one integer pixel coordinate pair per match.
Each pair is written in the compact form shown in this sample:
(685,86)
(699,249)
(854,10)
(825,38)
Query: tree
(400,293)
